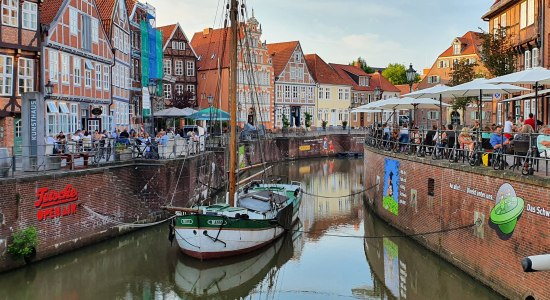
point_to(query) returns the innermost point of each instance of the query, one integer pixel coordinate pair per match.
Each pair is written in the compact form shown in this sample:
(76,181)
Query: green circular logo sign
(506,212)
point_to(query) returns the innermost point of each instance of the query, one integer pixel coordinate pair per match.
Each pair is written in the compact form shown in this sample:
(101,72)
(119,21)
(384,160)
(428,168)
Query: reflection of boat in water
(234,277)
(402,269)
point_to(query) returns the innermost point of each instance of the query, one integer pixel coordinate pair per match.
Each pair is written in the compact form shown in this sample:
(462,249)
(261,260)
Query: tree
(362,63)
(397,74)
(463,71)
(497,53)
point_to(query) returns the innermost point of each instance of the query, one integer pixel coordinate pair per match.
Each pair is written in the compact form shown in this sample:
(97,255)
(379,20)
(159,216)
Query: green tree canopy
(497,53)
(397,74)
(362,64)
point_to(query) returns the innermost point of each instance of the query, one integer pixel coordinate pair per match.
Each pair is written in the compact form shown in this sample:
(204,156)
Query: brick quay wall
(428,196)
(62,205)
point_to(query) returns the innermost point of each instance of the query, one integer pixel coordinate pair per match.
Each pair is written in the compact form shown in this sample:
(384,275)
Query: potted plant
(324,124)
(23,244)
(122,152)
(286,124)
(344,124)
(307,121)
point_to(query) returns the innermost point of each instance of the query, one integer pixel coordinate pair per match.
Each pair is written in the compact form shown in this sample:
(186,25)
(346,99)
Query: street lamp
(349,119)
(153,88)
(48,88)
(411,75)
(377,96)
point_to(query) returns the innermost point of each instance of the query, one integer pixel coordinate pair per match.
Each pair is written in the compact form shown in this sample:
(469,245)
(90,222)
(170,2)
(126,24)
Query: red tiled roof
(322,72)
(49,10)
(167,32)
(280,54)
(378,80)
(209,47)
(130,6)
(106,9)
(345,70)
(470,43)
(405,89)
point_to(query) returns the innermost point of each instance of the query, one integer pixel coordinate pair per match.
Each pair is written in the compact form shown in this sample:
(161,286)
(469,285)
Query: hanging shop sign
(54,204)
(96,111)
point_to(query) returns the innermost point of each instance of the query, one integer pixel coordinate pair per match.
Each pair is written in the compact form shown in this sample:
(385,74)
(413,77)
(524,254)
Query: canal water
(325,257)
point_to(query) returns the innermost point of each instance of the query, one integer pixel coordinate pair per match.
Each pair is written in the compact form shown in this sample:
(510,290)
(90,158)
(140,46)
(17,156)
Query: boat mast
(233,14)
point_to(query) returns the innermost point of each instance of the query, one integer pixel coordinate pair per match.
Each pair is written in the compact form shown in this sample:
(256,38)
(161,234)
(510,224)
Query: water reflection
(403,270)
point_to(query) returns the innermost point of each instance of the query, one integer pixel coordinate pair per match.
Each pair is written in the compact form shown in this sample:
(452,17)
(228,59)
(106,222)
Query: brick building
(180,67)
(528,29)
(19,65)
(77,59)
(255,72)
(114,18)
(294,85)
(137,13)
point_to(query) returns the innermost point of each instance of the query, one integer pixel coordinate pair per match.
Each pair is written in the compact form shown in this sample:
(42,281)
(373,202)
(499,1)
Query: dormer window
(457,48)
(363,80)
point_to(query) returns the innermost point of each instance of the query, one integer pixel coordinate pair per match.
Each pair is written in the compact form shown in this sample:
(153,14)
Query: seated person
(450,136)
(543,143)
(386,132)
(499,141)
(524,133)
(465,140)
(163,140)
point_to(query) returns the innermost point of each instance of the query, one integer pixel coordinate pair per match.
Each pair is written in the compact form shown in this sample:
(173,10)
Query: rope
(338,197)
(134,225)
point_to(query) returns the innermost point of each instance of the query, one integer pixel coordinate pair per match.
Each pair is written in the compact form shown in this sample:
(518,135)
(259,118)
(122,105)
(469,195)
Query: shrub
(24,242)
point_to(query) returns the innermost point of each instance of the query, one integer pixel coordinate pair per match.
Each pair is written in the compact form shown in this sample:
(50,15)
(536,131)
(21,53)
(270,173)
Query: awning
(89,65)
(528,96)
(63,107)
(52,107)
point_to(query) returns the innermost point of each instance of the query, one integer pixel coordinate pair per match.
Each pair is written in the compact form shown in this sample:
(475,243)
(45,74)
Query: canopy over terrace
(210,113)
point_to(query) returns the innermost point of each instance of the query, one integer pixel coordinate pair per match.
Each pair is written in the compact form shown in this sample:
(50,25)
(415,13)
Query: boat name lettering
(186,221)
(216,222)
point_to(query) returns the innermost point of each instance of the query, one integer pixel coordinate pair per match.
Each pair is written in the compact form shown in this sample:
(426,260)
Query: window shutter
(527,57)
(535,57)
(473,115)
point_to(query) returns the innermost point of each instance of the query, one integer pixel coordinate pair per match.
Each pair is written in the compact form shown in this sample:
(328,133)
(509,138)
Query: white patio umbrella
(434,91)
(175,112)
(412,103)
(536,76)
(477,87)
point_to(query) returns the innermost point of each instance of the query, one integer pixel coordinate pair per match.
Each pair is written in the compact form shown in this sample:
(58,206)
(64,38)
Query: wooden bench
(70,158)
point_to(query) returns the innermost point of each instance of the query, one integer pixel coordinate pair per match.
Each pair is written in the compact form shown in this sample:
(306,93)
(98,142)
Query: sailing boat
(253,216)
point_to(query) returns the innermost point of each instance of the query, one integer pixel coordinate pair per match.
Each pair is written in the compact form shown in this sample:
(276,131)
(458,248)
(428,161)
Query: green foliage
(119,147)
(397,74)
(307,119)
(497,53)
(23,242)
(286,123)
(362,63)
(463,71)
(462,102)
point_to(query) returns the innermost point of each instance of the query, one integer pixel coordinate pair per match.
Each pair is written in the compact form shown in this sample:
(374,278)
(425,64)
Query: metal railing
(523,154)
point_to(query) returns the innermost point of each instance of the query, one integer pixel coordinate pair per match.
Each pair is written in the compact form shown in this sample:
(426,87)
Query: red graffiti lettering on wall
(46,198)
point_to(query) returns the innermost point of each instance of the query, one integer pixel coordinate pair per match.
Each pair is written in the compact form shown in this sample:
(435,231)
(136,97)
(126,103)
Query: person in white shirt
(508,125)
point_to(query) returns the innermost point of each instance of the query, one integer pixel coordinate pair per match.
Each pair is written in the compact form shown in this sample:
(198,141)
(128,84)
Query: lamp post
(48,89)
(411,74)
(153,88)
(349,120)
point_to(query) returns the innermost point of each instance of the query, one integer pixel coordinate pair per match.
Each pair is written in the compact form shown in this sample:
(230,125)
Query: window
(9,12)
(73,21)
(346,94)
(191,89)
(457,48)
(51,118)
(73,118)
(127,77)
(88,78)
(29,15)
(527,13)
(190,68)
(294,92)
(495,26)
(287,92)
(86,38)
(527,56)
(297,57)
(106,82)
(433,115)
(53,64)
(503,22)
(340,94)
(321,92)
(535,57)
(95,31)
(77,71)
(433,79)
(167,67)
(363,81)
(65,67)
(327,93)
(292,73)
(178,45)
(179,67)
(26,75)
(167,91)
(6,75)
(98,74)
(179,89)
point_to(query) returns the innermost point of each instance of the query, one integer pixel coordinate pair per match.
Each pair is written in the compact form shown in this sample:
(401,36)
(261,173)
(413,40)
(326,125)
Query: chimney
(206,31)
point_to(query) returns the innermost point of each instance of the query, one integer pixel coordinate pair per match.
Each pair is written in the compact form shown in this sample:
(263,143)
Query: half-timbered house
(77,60)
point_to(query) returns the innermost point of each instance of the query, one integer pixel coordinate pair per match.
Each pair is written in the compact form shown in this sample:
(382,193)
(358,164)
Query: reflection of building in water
(402,269)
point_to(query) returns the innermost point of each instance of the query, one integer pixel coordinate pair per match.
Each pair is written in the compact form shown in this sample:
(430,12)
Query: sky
(380,31)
